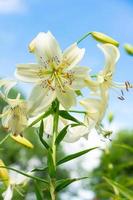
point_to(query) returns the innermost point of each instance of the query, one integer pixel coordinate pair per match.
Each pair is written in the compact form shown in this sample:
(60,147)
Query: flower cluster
(58,80)
(57,75)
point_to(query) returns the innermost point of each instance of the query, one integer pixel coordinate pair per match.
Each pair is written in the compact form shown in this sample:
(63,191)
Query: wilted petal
(73,55)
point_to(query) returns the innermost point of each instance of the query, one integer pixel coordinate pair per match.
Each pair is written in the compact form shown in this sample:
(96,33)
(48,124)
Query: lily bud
(22,141)
(31,46)
(100,37)
(129,48)
(110,117)
(4,176)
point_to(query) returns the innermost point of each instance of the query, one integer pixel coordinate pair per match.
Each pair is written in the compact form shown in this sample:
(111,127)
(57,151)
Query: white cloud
(12,6)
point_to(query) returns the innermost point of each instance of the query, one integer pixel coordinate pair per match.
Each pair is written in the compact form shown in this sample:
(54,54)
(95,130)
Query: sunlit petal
(73,55)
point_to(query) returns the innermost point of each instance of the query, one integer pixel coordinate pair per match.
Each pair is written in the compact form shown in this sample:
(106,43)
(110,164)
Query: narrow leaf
(75,155)
(61,184)
(63,132)
(46,114)
(61,135)
(41,131)
(66,115)
(123,190)
(38,193)
(124,146)
(25,174)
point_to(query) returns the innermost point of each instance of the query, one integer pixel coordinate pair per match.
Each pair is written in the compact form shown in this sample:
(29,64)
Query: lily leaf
(124,146)
(25,174)
(66,115)
(44,115)
(62,133)
(41,131)
(128,194)
(75,155)
(61,184)
(38,193)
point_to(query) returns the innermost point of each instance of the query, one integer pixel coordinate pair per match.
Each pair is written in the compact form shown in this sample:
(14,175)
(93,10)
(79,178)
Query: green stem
(4,139)
(55,132)
(83,37)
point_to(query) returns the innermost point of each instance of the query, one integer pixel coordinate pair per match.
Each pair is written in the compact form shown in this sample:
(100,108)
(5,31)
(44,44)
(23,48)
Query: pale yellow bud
(110,117)
(129,48)
(31,46)
(22,140)
(4,176)
(100,37)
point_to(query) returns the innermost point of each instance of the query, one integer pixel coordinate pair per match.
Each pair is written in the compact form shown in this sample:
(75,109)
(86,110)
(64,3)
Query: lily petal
(67,98)
(111,54)
(30,72)
(75,133)
(73,55)
(40,99)
(46,48)
(8,194)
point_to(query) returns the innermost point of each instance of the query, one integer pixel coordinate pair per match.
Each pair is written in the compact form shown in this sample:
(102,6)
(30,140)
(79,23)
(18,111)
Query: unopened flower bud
(129,49)
(110,117)
(4,176)
(22,141)
(100,37)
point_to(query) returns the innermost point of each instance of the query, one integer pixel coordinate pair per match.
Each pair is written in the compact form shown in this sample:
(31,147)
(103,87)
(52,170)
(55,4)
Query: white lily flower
(15,114)
(95,109)
(56,75)
(104,80)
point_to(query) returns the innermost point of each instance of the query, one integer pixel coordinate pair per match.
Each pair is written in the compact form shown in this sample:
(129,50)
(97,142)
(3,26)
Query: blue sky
(21,20)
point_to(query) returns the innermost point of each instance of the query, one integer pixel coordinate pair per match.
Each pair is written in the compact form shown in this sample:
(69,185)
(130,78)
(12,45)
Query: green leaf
(46,114)
(129,49)
(39,169)
(51,166)
(61,184)
(25,174)
(62,133)
(75,155)
(124,146)
(66,115)
(122,190)
(38,192)
(41,131)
